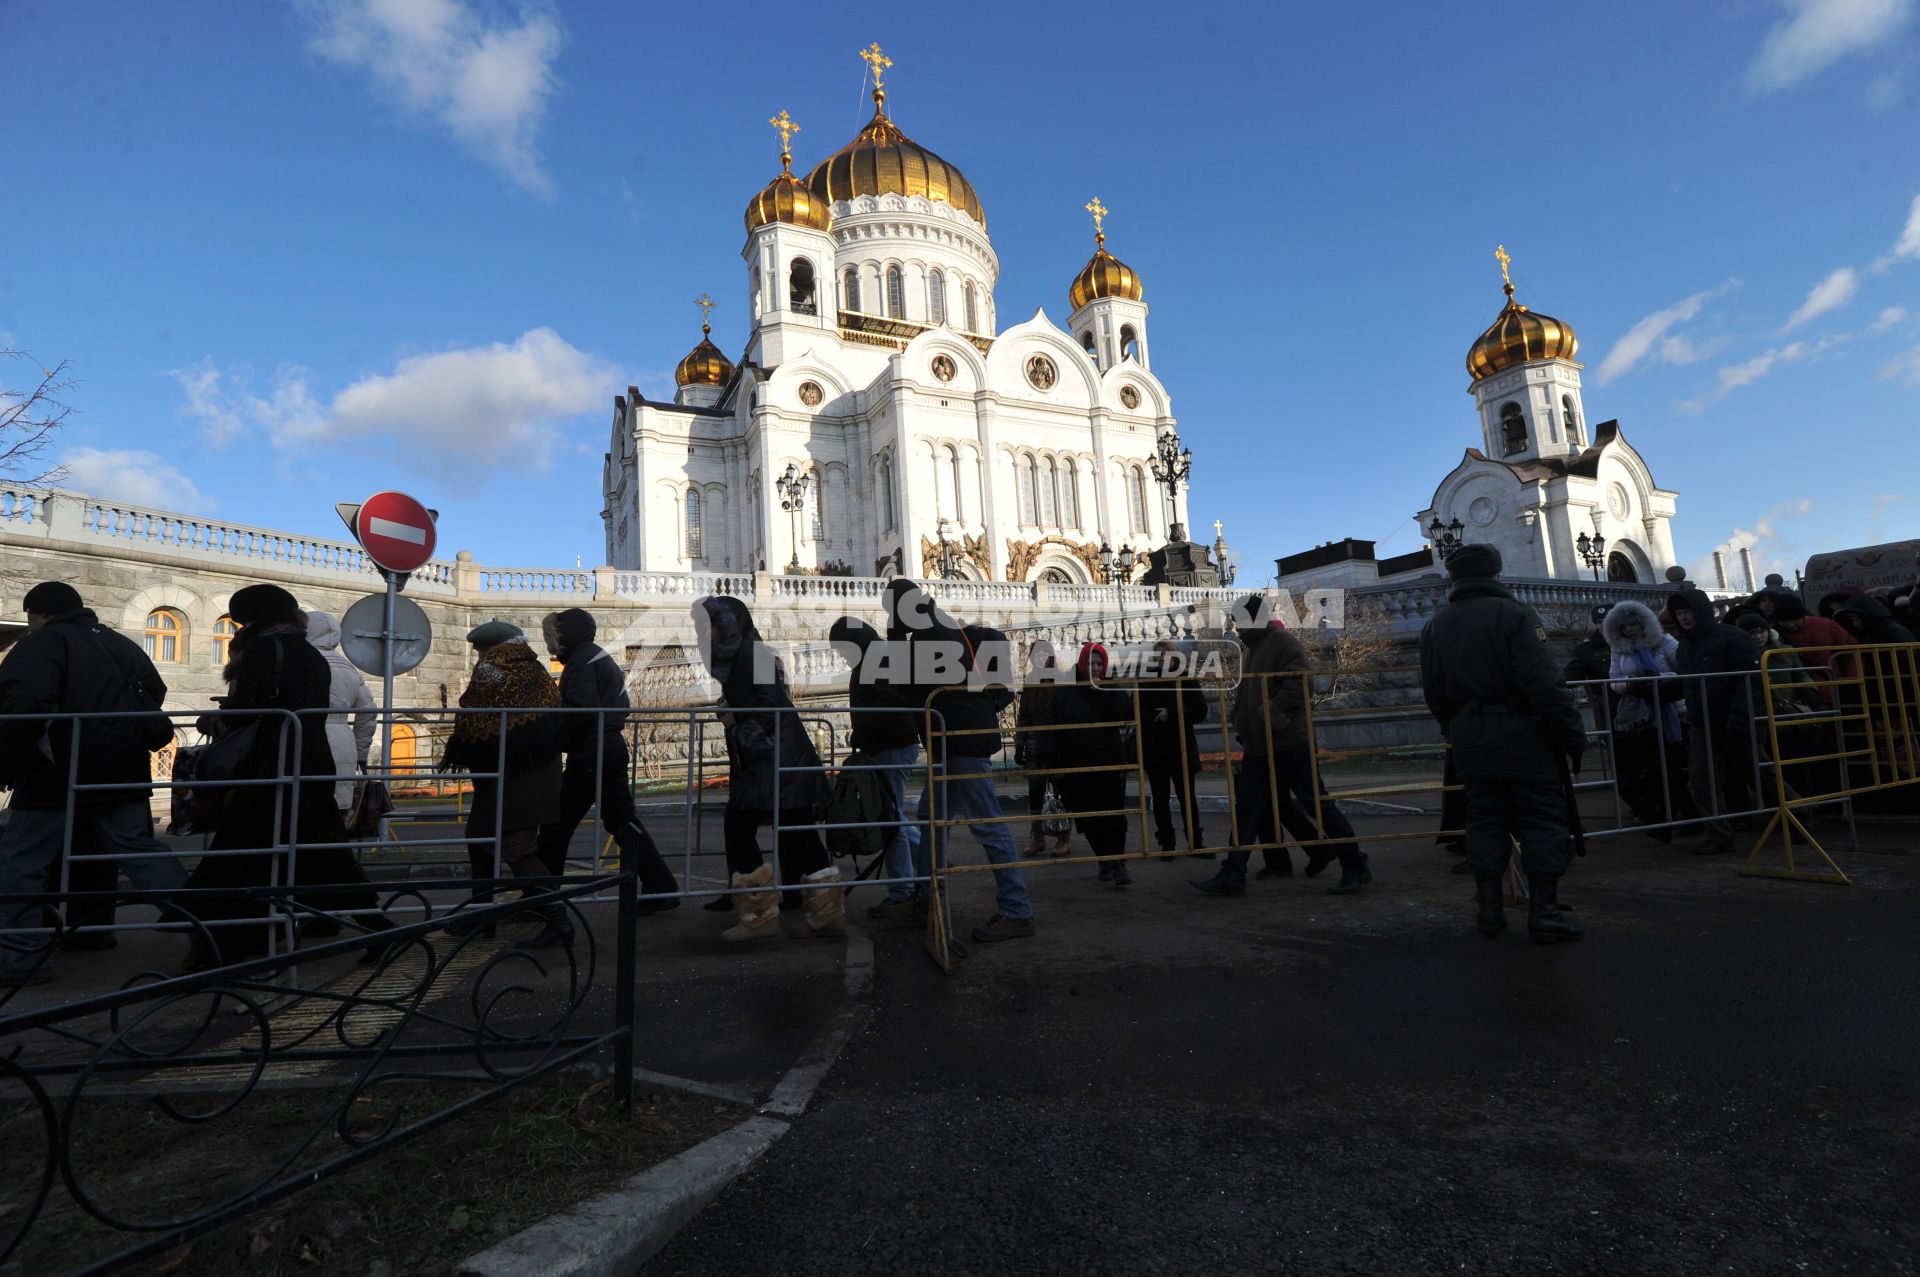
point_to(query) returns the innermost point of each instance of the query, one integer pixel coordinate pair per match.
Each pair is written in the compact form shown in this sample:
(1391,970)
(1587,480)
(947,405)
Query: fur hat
(494,633)
(1474,559)
(262,605)
(52,598)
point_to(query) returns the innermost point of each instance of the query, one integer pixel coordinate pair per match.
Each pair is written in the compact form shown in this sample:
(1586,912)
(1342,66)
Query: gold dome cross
(783,125)
(1099,212)
(877,60)
(1500,255)
(706,305)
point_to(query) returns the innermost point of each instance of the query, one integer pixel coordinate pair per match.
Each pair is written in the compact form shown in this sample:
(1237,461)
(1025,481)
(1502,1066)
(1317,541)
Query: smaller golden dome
(1104,275)
(786,198)
(704,364)
(1518,335)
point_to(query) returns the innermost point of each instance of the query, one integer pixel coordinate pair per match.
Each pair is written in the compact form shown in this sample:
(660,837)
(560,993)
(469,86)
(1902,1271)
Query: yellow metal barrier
(1873,688)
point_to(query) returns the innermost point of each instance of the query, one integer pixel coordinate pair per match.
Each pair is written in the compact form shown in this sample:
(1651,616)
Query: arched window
(406,751)
(1513,429)
(850,285)
(1086,339)
(936,298)
(896,294)
(1129,343)
(953,463)
(886,492)
(800,287)
(973,313)
(223,631)
(1070,497)
(1023,470)
(696,540)
(817,523)
(1049,496)
(1573,421)
(1620,568)
(166,636)
(1137,498)
(754,280)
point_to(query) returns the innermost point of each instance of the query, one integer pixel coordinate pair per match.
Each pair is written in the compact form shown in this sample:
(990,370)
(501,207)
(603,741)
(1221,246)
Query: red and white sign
(395,530)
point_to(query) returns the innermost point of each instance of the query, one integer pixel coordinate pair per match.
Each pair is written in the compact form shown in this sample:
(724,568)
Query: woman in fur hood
(1643,650)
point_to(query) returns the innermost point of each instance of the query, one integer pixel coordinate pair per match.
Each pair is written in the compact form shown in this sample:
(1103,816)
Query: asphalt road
(1720,1079)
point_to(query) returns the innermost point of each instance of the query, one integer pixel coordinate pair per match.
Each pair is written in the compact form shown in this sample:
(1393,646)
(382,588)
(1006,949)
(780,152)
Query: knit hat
(1475,558)
(1600,611)
(494,632)
(262,604)
(52,598)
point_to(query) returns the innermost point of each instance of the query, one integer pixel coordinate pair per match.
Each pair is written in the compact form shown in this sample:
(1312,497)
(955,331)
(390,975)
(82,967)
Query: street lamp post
(793,498)
(1119,569)
(949,567)
(1171,465)
(1593,552)
(1445,537)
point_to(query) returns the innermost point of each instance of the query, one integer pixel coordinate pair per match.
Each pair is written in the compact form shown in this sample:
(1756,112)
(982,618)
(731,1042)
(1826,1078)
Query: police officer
(1495,688)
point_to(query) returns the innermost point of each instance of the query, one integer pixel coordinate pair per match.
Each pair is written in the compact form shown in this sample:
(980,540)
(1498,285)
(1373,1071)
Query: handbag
(1054,819)
(1634,715)
(371,804)
(225,757)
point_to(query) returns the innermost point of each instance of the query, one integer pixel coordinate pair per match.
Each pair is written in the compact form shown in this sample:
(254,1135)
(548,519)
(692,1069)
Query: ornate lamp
(1171,465)
(1593,551)
(1446,537)
(792,487)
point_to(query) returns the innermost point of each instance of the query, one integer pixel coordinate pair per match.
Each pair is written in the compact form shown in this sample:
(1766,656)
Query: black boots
(1354,875)
(1548,921)
(1493,915)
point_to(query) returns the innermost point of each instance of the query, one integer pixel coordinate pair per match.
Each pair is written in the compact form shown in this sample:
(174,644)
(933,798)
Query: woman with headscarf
(269,832)
(759,712)
(1097,738)
(513,751)
(351,726)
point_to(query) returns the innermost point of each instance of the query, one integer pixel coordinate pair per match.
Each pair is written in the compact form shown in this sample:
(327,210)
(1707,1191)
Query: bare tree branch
(30,416)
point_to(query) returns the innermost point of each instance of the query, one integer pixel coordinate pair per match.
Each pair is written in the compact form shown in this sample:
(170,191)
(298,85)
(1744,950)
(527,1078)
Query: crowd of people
(1678,691)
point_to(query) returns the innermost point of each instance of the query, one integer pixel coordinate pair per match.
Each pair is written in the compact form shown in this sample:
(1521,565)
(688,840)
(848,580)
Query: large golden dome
(884,161)
(704,364)
(1519,336)
(786,198)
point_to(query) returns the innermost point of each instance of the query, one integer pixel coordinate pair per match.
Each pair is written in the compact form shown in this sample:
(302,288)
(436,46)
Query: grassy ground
(417,1208)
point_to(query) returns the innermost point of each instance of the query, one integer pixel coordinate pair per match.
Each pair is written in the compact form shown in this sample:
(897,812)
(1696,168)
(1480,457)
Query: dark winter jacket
(298,679)
(1163,703)
(752,679)
(591,679)
(1490,679)
(963,673)
(74,664)
(880,704)
(527,792)
(1590,659)
(1713,647)
(1870,620)
(1102,718)
(1269,714)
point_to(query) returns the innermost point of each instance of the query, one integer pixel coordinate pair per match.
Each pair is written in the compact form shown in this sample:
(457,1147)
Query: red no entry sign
(395,530)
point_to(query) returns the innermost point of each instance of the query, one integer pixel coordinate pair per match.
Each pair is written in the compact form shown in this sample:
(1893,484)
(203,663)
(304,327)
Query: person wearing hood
(1647,732)
(1869,620)
(272,667)
(964,675)
(774,776)
(1090,720)
(70,663)
(1170,709)
(1490,680)
(1718,662)
(513,751)
(885,729)
(355,717)
(1269,719)
(596,748)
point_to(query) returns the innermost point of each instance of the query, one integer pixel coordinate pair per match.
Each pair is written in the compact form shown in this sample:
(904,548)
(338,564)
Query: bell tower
(789,256)
(1109,317)
(1526,383)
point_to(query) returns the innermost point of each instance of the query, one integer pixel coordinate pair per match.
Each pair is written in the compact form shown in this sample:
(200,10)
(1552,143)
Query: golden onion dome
(786,198)
(1104,275)
(882,160)
(1518,336)
(704,364)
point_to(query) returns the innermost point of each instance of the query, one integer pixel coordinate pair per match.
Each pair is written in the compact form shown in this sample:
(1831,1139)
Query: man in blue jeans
(954,669)
(1269,720)
(886,728)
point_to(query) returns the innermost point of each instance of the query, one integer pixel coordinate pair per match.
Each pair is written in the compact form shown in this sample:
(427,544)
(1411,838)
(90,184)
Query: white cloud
(1652,337)
(451,413)
(486,81)
(1734,376)
(1904,366)
(131,475)
(1907,247)
(1831,293)
(1815,34)
(1773,548)
(1887,319)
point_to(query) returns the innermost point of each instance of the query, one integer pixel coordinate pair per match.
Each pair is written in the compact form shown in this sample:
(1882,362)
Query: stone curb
(613,1234)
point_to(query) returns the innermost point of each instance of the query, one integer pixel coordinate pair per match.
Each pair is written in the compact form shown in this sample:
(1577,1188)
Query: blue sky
(298,252)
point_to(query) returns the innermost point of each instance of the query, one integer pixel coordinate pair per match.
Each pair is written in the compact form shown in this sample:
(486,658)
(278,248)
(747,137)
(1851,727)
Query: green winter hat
(494,632)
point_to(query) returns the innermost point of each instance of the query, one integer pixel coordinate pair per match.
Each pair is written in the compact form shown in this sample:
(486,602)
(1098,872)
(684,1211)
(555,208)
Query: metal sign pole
(386,673)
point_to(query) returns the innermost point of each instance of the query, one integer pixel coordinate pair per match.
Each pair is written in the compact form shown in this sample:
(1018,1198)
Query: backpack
(859,808)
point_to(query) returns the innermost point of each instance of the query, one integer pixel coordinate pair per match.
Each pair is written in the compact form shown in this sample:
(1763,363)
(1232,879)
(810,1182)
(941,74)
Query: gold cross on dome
(876,60)
(1099,212)
(706,305)
(1218,530)
(1500,255)
(783,125)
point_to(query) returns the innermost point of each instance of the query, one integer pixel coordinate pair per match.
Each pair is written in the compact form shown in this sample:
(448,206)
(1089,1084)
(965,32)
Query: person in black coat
(764,778)
(1491,682)
(70,663)
(1720,664)
(1099,737)
(1036,693)
(886,729)
(290,832)
(596,746)
(1170,709)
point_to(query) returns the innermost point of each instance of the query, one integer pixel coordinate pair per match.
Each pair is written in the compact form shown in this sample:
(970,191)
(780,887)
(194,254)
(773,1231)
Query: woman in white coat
(1647,726)
(349,738)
